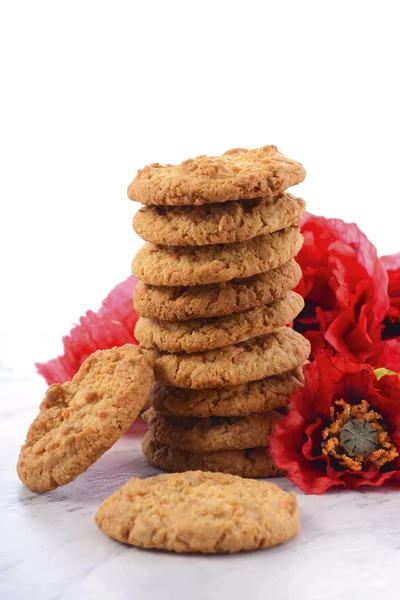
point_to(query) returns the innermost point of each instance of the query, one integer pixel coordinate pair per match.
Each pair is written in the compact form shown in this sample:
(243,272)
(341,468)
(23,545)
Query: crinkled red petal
(392,265)
(345,288)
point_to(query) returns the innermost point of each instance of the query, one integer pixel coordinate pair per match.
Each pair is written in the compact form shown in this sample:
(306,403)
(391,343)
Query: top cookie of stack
(237,199)
(236,175)
(255,178)
(214,298)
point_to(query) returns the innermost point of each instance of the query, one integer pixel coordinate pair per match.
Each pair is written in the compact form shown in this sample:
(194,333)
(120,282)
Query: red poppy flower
(343,428)
(389,354)
(392,266)
(112,325)
(345,289)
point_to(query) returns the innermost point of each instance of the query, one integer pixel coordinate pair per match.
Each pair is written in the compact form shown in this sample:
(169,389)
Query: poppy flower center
(357,436)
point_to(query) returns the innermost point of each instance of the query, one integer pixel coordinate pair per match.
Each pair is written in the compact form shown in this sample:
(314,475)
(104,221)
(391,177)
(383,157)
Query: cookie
(217,223)
(238,174)
(213,433)
(253,462)
(254,397)
(206,334)
(265,356)
(199,512)
(216,299)
(81,419)
(170,265)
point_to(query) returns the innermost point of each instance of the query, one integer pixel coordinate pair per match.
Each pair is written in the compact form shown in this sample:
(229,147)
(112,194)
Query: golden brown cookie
(217,223)
(240,400)
(199,335)
(213,433)
(265,356)
(253,462)
(199,512)
(170,265)
(81,419)
(215,299)
(238,174)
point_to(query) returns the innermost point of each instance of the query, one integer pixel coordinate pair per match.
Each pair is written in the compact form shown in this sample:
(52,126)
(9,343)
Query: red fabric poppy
(296,442)
(392,267)
(112,325)
(345,289)
(389,354)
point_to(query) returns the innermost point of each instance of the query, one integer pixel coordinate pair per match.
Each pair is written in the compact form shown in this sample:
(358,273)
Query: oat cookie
(254,359)
(199,335)
(237,401)
(237,174)
(214,433)
(216,299)
(254,462)
(199,512)
(81,419)
(170,265)
(217,223)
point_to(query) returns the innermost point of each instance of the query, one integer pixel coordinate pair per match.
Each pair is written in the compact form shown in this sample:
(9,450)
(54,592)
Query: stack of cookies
(214,298)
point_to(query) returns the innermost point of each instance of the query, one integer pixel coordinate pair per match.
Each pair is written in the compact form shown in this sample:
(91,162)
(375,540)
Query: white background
(91,91)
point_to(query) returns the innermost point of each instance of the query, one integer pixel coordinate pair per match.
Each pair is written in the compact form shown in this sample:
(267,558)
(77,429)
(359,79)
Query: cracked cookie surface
(199,512)
(217,223)
(216,299)
(237,174)
(236,401)
(251,360)
(206,334)
(213,433)
(253,462)
(185,266)
(81,419)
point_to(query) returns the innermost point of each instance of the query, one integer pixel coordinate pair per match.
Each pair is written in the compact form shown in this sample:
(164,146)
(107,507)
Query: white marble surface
(51,549)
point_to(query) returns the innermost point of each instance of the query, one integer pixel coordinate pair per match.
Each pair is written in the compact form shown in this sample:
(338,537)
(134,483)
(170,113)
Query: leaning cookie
(236,401)
(217,223)
(216,299)
(199,512)
(170,265)
(214,433)
(253,462)
(236,175)
(206,334)
(254,359)
(81,419)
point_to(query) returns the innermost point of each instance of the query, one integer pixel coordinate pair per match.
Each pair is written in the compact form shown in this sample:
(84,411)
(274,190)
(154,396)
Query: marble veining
(51,549)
